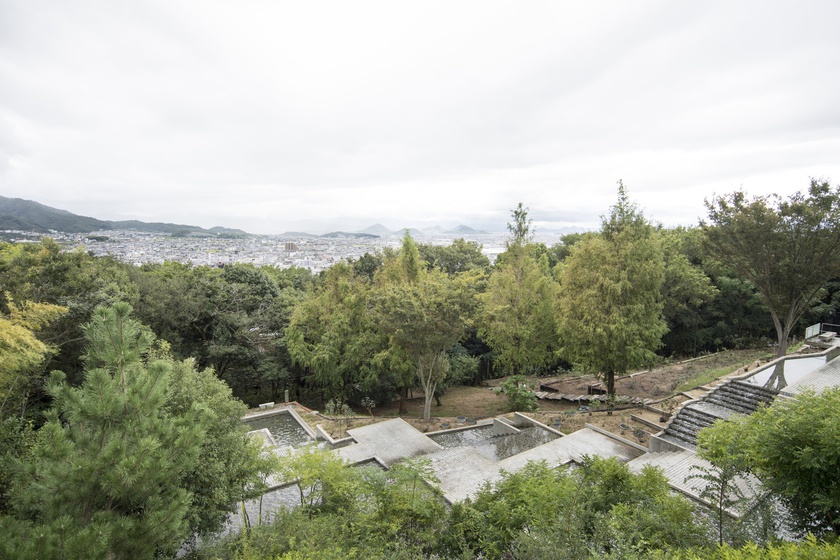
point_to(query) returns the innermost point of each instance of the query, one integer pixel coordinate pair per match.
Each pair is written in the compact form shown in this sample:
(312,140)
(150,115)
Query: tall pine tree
(102,480)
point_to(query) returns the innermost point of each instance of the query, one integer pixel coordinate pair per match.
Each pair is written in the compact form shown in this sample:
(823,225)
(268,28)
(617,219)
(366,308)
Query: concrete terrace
(679,467)
(388,442)
(673,449)
(822,378)
(571,448)
(462,471)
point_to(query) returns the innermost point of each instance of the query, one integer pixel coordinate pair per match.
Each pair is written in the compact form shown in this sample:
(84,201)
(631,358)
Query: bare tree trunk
(611,383)
(427,405)
(782,334)
(777,380)
(403,395)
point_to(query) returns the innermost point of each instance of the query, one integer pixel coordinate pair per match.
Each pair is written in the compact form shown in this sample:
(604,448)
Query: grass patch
(707,376)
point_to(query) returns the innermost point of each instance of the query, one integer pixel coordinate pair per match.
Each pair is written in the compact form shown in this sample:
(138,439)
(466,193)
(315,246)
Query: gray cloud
(272,116)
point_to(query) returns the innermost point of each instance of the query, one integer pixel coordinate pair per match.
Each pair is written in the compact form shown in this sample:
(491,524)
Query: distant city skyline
(316,117)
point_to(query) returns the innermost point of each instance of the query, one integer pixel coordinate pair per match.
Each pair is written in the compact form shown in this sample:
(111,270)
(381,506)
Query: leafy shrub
(520,397)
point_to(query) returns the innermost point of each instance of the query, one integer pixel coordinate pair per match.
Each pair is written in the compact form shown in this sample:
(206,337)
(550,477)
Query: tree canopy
(21,351)
(788,249)
(424,313)
(792,447)
(517,307)
(609,312)
(332,333)
(125,466)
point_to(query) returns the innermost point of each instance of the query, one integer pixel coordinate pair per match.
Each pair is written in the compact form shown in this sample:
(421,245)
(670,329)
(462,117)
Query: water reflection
(493,447)
(284,428)
(785,372)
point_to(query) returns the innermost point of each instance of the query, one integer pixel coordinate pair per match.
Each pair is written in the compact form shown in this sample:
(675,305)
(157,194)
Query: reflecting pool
(493,447)
(788,371)
(284,428)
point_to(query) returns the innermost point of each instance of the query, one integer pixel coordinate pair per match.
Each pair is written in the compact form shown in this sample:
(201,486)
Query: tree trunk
(784,327)
(427,406)
(782,334)
(611,384)
(777,380)
(403,395)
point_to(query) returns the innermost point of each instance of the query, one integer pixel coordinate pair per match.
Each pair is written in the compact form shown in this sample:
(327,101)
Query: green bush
(520,397)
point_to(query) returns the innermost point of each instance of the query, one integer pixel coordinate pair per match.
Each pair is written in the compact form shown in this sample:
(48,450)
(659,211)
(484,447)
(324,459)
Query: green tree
(808,549)
(423,313)
(367,266)
(520,396)
(21,351)
(229,463)
(123,451)
(44,273)
(231,319)
(521,231)
(21,357)
(740,509)
(559,251)
(517,316)
(368,514)
(124,466)
(609,311)
(597,509)
(406,507)
(787,249)
(333,335)
(792,447)
(460,256)
(686,288)
(423,320)
(323,481)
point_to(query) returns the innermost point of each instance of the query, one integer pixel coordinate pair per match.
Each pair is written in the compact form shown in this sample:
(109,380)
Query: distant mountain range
(382,231)
(27,215)
(378,230)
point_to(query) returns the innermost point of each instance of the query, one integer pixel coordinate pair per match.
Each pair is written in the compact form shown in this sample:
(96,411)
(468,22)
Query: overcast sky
(273,116)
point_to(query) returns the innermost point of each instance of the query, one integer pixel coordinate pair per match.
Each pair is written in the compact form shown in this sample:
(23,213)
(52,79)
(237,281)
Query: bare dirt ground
(659,385)
(663,381)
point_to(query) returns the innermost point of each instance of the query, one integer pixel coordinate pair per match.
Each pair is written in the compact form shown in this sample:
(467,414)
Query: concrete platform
(388,441)
(679,466)
(572,448)
(463,471)
(822,378)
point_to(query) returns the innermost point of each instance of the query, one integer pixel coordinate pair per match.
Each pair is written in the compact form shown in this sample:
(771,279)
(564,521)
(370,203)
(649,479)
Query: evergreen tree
(609,313)
(518,312)
(104,478)
(520,228)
